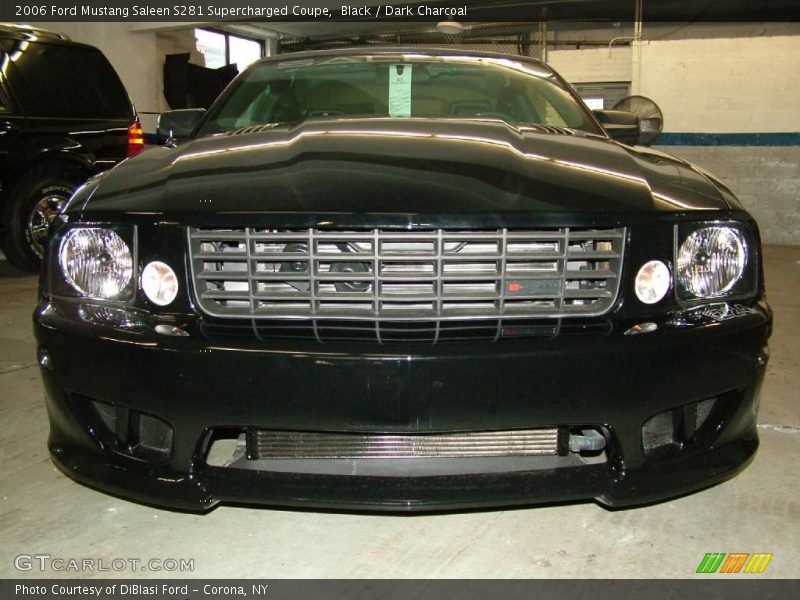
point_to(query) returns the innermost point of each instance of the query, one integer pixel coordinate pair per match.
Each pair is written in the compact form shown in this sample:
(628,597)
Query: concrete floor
(41,511)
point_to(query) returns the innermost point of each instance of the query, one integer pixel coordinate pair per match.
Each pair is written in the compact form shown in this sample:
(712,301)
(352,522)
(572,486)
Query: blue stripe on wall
(729,139)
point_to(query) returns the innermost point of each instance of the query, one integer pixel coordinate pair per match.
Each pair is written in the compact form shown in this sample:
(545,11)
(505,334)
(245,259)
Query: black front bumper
(198,386)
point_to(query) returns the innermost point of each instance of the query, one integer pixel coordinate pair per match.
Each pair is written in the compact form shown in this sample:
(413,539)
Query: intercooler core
(274,444)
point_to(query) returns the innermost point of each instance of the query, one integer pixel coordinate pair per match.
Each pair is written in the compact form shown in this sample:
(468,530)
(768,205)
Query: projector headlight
(97,263)
(711,262)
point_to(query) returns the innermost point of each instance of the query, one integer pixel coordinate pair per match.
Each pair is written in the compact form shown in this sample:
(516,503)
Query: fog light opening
(132,432)
(106,413)
(702,411)
(658,433)
(676,428)
(154,435)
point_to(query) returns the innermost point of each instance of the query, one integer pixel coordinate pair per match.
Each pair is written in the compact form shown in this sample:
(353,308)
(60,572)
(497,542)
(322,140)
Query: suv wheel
(31,205)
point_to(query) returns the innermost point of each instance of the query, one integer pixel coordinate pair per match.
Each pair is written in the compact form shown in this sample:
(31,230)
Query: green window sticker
(400,91)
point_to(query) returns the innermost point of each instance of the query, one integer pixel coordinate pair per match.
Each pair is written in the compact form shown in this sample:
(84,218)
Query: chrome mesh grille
(266,444)
(405,275)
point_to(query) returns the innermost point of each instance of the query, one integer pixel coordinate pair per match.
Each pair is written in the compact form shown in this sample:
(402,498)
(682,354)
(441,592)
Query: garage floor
(42,512)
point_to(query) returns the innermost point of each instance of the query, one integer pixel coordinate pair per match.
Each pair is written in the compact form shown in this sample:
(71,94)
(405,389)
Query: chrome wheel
(43,213)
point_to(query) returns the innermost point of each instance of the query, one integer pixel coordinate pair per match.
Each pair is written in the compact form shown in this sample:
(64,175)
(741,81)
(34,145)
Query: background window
(602,95)
(212,46)
(243,51)
(220,49)
(594,103)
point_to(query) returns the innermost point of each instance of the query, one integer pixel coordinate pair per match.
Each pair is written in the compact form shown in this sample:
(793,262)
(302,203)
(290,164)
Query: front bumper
(199,386)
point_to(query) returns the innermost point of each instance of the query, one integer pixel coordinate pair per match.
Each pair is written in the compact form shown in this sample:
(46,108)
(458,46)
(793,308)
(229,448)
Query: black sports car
(402,280)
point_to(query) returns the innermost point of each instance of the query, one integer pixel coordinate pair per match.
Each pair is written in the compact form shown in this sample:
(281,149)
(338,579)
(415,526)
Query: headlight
(97,263)
(710,262)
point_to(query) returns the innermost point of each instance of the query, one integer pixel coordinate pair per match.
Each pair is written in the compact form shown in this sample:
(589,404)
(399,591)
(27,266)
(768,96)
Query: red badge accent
(514,286)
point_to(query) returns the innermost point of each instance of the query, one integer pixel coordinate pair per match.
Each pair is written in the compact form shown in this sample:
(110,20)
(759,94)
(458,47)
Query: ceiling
(560,14)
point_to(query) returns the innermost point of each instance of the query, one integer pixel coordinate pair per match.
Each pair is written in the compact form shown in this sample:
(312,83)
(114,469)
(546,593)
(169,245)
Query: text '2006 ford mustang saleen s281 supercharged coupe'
(402,280)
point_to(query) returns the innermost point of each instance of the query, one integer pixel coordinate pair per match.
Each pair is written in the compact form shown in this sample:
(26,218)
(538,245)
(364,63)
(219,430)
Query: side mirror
(177,125)
(621,125)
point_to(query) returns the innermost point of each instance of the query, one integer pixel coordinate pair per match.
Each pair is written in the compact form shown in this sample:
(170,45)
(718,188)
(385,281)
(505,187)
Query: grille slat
(275,444)
(602,274)
(394,275)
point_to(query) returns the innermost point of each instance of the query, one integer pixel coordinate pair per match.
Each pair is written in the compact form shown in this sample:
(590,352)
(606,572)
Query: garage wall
(593,64)
(749,85)
(765,178)
(733,106)
(731,101)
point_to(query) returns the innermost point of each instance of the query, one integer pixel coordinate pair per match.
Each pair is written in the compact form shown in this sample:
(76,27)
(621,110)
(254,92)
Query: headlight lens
(710,261)
(96,262)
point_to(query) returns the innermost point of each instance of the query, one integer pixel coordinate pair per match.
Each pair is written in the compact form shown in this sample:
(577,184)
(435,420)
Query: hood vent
(252,129)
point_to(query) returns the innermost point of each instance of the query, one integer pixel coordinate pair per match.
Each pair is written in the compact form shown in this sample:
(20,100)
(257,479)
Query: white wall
(711,85)
(727,85)
(592,64)
(734,85)
(731,81)
(766,179)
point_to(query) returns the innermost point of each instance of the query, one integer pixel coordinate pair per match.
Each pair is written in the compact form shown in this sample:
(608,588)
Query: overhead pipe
(637,29)
(622,38)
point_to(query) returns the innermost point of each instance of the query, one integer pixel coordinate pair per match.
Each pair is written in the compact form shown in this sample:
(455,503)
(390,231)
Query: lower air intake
(268,444)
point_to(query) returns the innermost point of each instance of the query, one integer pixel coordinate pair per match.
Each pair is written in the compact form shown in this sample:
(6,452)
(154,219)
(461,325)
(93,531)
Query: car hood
(399,171)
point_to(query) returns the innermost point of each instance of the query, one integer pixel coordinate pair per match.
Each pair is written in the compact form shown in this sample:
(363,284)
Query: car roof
(424,51)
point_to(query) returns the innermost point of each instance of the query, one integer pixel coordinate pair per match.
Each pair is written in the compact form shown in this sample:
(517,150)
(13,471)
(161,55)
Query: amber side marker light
(135,139)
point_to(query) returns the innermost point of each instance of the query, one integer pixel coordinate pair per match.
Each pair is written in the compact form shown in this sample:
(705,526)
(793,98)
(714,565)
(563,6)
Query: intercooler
(276,444)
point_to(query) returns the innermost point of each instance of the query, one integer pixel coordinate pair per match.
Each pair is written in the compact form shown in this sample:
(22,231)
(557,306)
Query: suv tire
(33,201)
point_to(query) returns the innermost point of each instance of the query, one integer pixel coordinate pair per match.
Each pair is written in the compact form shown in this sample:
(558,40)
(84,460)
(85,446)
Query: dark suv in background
(64,116)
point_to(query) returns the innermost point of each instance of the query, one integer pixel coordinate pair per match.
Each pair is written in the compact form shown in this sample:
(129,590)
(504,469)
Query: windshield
(403,85)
